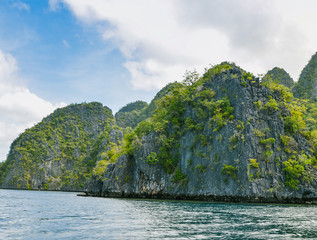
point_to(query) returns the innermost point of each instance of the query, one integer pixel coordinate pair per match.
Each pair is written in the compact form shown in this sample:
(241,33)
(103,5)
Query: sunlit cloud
(160,39)
(19,108)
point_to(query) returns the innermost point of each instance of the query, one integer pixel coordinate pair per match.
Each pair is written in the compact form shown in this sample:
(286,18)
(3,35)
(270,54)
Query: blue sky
(62,59)
(57,52)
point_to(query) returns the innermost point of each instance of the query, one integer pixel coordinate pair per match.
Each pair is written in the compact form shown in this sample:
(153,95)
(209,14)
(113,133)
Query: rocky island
(226,136)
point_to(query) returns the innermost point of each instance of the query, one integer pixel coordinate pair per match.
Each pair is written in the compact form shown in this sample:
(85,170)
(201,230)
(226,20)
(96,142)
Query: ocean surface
(59,215)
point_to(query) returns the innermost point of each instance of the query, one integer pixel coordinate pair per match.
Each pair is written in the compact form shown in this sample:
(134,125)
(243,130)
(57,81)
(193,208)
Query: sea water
(59,215)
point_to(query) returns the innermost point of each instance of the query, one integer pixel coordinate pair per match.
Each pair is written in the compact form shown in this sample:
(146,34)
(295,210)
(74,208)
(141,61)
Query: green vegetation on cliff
(194,107)
(170,120)
(225,125)
(280,76)
(131,114)
(134,113)
(60,151)
(306,87)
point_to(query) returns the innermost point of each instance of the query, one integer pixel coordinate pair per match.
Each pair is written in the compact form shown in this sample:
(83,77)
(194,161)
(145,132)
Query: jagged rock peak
(131,114)
(306,87)
(60,152)
(225,136)
(133,106)
(279,75)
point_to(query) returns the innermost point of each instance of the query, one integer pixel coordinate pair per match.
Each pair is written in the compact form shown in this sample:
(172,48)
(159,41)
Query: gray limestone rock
(235,164)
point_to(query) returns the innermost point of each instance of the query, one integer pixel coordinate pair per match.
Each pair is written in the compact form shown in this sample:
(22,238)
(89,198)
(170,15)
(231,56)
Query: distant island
(223,136)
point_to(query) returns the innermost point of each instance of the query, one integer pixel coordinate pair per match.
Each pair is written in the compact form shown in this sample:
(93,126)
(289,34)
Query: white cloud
(21,6)
(158,48)
(19,108)
(54,4)
(160,39)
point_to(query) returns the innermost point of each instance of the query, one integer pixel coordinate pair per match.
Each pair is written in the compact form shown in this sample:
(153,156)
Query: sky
(57,52)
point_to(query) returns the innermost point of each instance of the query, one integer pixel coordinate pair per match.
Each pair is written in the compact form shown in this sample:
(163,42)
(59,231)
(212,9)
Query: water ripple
(57,215)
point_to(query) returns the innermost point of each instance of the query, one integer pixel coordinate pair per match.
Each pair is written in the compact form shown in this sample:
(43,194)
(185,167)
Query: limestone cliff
(224,137)
(134,113)
(279,75)
(306,87)
(60,152)
(131,114)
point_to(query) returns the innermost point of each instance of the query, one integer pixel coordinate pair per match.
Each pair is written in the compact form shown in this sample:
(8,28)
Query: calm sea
(58,215)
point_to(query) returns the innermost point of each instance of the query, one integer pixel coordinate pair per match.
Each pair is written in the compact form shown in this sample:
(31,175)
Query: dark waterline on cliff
(60,215)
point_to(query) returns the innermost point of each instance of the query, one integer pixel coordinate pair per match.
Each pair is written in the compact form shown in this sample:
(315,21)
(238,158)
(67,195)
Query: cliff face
(60,152)
(306,87)
(225,137)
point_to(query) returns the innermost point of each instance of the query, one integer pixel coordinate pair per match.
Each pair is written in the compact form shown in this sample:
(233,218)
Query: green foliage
(134,106)
(240,126)
(247,76)
(216,70)
(313,140)
(144,128)
(167,157)
(295,108)
(179,177)
(268,154)
(295,123)
(258,104)
(201,168)
(95,151)
(297,169)
(170,108)
(203,140)
(101,167)
(204,96)
(114,152)
(304,88)
(222,113)
(258,133)
(134,113)
(271,105)
(168,123)
(289,143)
(191,106)
(282,90)
(130,143)
(267,142)
(71,139)
(148,112)
(234,139)
(4,166)
(254,163)
(230,170)
(131,114)
(190,77)
(280,76)
(310,116)
(219,137)
(152,158)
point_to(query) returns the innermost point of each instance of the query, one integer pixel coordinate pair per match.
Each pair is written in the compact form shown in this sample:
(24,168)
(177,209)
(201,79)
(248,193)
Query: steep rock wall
(246,159)
(60,152)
